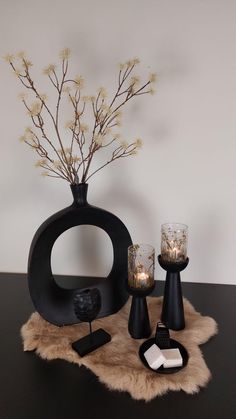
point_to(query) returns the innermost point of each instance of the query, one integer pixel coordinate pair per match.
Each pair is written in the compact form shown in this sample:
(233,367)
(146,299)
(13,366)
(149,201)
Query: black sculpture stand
(54,303)
(172,310)
(91,342)
(139,325)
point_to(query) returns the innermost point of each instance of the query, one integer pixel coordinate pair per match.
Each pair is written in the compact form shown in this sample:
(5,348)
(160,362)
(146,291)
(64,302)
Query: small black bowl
(161,370)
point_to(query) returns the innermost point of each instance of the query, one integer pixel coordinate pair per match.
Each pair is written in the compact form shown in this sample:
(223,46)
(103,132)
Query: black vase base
(173,344)
(91,342)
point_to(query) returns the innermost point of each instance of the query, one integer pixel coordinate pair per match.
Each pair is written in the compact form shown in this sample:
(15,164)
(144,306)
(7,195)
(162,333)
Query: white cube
(173,358)
(154,357)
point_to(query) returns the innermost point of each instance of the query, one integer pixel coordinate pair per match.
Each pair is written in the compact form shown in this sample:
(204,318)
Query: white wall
(186,171)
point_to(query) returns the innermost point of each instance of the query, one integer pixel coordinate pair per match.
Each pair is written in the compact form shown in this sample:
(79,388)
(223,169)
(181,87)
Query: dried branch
(73,162)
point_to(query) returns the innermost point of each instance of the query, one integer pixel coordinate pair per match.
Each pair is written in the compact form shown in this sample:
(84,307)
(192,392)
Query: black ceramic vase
(54,303)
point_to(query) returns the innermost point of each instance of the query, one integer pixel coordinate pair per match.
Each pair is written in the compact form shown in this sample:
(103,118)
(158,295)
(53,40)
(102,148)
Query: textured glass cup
(141,263)
(174,241)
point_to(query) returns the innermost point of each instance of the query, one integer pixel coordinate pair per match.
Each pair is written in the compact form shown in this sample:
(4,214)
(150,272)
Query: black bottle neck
(79,193)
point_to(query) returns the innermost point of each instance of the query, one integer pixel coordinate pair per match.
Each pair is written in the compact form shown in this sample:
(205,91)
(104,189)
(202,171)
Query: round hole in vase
(55,303)
(81,254)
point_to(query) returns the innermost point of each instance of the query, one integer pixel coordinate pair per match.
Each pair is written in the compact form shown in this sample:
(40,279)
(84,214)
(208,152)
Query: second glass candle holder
(174,240)
(173,260)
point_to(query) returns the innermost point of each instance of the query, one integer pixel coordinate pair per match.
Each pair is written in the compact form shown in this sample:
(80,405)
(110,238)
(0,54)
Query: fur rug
(117,363)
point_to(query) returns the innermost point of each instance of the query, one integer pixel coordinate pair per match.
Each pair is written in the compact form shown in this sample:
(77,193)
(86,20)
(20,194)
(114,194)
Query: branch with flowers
(73,161)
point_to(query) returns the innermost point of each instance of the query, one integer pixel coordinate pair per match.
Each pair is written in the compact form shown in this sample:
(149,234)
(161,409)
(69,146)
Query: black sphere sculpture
(172,309)
(54,303)
(87,304)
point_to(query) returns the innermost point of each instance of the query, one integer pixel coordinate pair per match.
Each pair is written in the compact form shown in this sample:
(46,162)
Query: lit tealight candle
(173,253)
(141,280)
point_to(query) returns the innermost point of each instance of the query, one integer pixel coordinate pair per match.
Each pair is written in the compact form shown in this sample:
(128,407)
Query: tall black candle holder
(172,310)
(139,324)
(141,261)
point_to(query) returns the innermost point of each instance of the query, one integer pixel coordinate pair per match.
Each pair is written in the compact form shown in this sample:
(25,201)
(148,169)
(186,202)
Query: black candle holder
(172,310)
(139,324)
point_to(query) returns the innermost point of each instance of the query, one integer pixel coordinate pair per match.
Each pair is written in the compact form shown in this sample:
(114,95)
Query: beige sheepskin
(117,363)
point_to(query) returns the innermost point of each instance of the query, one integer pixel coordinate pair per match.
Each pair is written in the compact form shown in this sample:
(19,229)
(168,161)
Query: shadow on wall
(208,235)
(125,196)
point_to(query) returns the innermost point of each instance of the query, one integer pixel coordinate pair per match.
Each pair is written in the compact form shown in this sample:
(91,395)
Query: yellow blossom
(124,144)
(83,127)
(131,63)
(102,92)
(116,136)
(118,114)
(28,130)
(43,97)
(134,80)
(28,135)
(99,139)
(69,124)
(76,159)
(138,143)
(79,81)
(57,164)
(121,66)
(41,163)
(44,174)
(22,138)
(152,91)
(86,99)
(22,95)
(21,54)
(9,58)
(152,77)
(64,54)
(26,63)
(35,108)
(118,119)
(105,109)
(49,69)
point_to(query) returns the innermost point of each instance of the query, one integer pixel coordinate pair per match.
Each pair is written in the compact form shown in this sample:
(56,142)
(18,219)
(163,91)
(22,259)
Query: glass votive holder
(141,264)
(174,241)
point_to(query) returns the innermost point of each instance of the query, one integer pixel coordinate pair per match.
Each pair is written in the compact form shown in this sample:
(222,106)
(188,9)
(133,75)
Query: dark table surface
(31,388)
